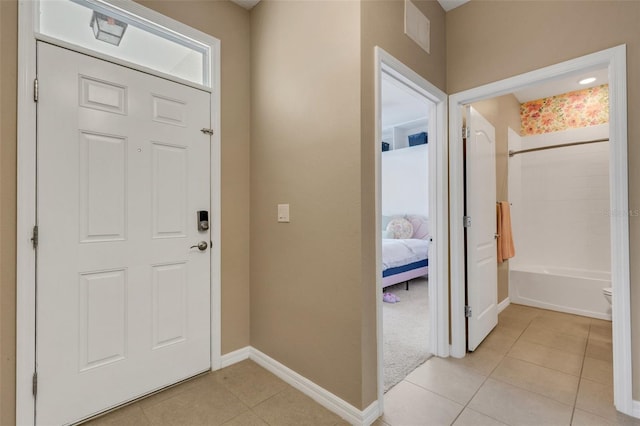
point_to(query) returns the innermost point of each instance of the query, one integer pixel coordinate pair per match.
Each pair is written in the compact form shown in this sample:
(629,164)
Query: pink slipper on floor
(390,298)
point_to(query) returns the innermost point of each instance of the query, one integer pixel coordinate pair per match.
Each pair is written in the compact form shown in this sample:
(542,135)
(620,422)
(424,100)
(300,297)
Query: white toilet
(607,294)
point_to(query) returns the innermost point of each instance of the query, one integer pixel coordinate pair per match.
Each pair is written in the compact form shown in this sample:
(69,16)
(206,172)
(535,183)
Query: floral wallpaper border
(582,108)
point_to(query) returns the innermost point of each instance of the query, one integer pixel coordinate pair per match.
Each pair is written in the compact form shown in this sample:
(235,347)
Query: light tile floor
(244,394)
(537,367)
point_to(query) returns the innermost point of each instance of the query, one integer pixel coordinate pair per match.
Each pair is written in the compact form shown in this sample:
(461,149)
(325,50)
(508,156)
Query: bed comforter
(397,252)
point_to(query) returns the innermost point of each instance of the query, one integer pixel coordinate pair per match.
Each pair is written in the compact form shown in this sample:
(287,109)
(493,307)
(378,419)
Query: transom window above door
(109,30)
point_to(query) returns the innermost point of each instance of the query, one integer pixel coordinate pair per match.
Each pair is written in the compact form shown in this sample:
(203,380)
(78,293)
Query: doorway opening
(429,205)
(614,63)
(405,228)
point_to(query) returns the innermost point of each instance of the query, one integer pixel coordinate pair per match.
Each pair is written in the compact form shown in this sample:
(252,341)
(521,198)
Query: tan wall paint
(307,150)
(305,123)
(489,41)
(502,112)
(8,84)
(382,24)
(229,23)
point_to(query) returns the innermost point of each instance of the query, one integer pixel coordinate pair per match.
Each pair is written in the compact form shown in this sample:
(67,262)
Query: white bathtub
(566,290)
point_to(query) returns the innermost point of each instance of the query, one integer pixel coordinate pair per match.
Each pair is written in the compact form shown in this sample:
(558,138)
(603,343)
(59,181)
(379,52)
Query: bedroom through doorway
(406,236)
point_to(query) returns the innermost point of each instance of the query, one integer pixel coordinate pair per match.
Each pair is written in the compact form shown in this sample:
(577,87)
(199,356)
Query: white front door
(123,301)
(482,272)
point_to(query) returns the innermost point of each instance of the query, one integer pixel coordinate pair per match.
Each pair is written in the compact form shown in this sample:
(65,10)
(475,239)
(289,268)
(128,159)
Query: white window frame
(150,21)
(614,59)
(26,179)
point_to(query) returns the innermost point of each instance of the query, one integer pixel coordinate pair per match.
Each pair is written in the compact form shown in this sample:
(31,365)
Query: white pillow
(420,226)
(401,228)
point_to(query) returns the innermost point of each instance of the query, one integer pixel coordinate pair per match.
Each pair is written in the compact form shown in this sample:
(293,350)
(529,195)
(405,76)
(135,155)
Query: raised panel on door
(123,301)
(482,275)
(169,190)
(103,187)
(169,304)
(103,318)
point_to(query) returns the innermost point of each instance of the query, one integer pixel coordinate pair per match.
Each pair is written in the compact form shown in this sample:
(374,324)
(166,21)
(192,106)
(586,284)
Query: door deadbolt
(202,246)
(203,220)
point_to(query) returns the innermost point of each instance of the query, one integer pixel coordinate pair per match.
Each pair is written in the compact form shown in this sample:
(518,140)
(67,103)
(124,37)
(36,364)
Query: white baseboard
(371,413)
(235,356)
(323,397)
(635,408)
(503,305)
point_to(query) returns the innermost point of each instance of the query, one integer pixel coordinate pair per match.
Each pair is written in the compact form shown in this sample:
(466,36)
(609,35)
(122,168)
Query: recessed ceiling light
(587,80)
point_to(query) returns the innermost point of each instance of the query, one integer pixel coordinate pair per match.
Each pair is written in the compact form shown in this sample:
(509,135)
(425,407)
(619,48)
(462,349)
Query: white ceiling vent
(416,25)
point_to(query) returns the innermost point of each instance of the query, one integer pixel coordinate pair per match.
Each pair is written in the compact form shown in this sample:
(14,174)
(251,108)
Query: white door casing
(482,273)
(615,60)
(438,206)
(123,302)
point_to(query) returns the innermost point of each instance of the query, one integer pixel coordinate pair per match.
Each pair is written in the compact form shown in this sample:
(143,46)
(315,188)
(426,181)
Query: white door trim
(26,197)
(615,59)
(438,201)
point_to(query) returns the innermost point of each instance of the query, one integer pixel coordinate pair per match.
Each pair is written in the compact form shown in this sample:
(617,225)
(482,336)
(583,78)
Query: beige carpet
(405,330)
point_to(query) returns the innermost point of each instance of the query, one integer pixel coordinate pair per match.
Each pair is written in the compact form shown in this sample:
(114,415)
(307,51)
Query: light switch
(283,213)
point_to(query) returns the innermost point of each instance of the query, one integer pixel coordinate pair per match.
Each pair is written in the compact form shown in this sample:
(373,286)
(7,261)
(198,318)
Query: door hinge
(35,90)
(34,382)
(34,237)
(207,131)
(467,221)
(466,132)
(467,311)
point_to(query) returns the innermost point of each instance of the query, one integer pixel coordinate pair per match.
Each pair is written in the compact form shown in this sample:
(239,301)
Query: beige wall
(310,149)
(489,41)
(305,124)
(230,24)
(382,24)
(8,83)
(313,147)
(502,112)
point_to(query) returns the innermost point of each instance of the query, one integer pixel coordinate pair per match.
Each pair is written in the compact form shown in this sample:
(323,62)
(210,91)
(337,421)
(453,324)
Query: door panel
(123,300)
(482,272)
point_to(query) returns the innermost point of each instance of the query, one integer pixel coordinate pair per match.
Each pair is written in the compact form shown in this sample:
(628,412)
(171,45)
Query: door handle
(202,246)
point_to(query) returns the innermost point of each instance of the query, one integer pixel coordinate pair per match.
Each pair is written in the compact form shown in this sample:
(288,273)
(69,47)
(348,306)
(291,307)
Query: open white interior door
(482,274)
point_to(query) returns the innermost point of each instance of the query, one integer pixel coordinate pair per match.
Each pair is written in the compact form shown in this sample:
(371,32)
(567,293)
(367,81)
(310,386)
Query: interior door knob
(202,246)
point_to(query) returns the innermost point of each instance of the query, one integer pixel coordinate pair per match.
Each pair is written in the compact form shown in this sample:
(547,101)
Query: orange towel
(506,249)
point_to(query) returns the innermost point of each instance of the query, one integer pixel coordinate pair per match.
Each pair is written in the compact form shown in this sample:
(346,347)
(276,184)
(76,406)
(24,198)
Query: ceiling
(446,4)
(247,4)
(400,104)
(562,85)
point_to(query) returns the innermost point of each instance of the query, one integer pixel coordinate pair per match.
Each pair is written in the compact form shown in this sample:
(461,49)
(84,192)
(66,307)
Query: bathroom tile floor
(537,367)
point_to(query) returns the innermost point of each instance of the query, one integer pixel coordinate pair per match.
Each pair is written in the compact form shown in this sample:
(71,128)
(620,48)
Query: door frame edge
(26,198)
(438,202)
(615,60)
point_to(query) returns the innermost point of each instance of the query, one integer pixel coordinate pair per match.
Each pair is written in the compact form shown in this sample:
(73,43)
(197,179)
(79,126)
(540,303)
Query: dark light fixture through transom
(107,29)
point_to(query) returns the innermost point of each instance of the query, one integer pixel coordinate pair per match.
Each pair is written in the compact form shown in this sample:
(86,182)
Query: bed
(405,249)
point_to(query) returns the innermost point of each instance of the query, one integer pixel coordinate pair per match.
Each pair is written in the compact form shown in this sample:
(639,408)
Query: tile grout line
(584,357)
(494,369)
(573,408)
(488,376)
